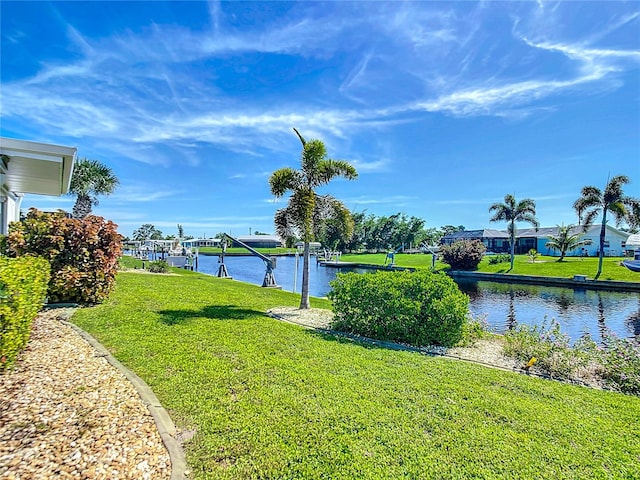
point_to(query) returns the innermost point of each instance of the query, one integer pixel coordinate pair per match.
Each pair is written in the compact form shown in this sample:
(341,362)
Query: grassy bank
(271,400)
(544,266)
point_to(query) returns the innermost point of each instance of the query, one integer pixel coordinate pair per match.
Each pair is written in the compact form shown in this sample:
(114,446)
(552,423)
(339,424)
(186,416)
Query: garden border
(164,424)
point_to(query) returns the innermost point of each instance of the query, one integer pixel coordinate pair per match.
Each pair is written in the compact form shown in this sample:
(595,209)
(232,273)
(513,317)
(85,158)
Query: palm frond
(302,140)
(284,180)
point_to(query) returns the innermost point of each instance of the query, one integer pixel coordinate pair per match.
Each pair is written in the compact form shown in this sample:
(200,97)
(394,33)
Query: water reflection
(633,323)
(511,316)
(503,305)
(578,311)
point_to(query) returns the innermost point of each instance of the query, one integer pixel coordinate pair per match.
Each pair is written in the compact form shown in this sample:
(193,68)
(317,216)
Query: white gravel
(67,413)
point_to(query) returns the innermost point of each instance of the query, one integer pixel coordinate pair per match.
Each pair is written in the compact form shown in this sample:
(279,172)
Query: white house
(614,246)
(30,167)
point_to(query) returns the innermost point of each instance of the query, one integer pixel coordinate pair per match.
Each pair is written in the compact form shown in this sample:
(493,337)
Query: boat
(633,265)
(180,256)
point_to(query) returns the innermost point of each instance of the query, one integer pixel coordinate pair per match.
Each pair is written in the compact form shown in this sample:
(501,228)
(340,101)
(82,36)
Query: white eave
(31,167)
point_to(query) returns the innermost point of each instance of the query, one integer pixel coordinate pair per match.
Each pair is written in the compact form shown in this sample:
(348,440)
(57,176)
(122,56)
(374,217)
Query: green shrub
(23,286)
(548,345)
(159,266)
(83,253)
(616,361)
(474,329)
(419,308)
(500,258)
(463,255)
(620,361)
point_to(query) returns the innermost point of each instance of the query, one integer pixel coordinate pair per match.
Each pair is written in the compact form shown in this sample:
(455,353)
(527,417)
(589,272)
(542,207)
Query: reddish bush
(463,255)
(83,253)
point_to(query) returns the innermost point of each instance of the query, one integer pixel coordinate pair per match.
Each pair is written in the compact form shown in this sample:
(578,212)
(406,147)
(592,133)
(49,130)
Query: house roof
(633,240)
(258,238)
(541,232)
(476,234)
(31,167)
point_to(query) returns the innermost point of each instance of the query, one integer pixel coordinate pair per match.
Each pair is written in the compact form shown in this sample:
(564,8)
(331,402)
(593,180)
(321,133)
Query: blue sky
(442,107)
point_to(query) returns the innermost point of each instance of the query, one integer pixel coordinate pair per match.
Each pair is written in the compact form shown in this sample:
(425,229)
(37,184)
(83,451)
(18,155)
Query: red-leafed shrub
(83,253)
(463,255)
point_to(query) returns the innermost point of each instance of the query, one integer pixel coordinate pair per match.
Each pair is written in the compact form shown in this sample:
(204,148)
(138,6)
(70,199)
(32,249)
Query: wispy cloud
(141,194)
(374,166)
(397,200)
(126,88)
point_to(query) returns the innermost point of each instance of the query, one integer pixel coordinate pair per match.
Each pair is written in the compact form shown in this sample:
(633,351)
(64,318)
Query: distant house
(632,243)
(497,241)
(30,167)
(202,242)
(313,246)
(614,245)
(260,241)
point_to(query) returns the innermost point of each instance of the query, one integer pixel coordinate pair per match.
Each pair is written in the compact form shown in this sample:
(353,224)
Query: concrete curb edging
(166,427)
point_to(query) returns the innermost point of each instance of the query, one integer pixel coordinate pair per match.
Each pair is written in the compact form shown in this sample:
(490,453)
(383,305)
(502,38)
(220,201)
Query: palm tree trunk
(603,232)
(513,243)
(304,299)
(82,207)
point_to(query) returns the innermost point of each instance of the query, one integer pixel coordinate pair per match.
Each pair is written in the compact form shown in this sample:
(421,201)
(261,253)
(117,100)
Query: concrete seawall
(339,264)
(578,282)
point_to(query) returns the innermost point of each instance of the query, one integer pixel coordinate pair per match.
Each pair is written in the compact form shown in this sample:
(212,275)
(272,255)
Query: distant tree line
(382,233)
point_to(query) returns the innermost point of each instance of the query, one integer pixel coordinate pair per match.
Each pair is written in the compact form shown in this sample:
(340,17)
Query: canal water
(502,305)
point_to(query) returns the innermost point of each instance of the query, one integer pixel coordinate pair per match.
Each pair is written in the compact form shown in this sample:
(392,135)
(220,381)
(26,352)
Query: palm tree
(593,201)
(566,240)
(306,210)
(511,212)
(90,178)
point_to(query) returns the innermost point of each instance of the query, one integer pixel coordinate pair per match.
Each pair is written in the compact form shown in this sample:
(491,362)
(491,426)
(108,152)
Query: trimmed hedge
(420,308)
(83,253)
(23,287)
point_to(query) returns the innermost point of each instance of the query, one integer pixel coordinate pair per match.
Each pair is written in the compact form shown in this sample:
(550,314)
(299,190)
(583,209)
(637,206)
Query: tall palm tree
(511,212)
(306,209)
(90,178)
(594,202)
(566,240)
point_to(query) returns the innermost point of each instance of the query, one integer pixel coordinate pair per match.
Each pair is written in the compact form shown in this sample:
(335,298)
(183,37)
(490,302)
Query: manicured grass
(544,266)
(273,400)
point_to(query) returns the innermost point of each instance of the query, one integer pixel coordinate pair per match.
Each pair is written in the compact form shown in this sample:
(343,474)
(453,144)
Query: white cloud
(375,166)
(398,200)
(133,93)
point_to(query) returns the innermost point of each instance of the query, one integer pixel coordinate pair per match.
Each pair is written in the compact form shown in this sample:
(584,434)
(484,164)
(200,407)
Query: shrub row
(23,287)
(83,253)
(419,308)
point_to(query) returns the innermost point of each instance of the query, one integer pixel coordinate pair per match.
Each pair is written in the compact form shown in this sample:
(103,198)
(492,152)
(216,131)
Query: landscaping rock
(65,412)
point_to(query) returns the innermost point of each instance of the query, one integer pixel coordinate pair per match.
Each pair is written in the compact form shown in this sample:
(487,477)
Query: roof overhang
(31,167)
(633,240)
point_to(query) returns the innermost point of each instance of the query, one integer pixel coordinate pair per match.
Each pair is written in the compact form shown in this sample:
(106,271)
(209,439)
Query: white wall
(9,211)
(613,236)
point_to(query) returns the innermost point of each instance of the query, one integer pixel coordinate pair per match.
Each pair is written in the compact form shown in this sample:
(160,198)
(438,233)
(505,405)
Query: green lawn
(544,266)
(273,400)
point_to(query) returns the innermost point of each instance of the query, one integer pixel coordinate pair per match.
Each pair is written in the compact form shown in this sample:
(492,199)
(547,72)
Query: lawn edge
(164,424)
